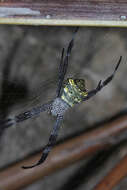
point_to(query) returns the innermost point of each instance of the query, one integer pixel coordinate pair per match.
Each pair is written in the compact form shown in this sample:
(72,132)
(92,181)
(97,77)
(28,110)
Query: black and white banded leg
(26,115)
(51,143)
(101,83)
(64,63)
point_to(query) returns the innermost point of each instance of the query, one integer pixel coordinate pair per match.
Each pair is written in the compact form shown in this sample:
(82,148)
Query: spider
(68,93)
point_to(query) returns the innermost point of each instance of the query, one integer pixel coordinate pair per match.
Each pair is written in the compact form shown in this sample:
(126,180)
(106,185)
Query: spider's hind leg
(113,74)
(101,83)
(64,63)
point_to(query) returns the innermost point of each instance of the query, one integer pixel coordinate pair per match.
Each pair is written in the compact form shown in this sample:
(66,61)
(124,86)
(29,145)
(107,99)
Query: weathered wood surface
(67,153)
(64,12)
(114,176)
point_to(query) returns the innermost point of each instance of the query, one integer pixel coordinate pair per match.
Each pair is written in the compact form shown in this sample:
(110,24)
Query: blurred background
(29,61)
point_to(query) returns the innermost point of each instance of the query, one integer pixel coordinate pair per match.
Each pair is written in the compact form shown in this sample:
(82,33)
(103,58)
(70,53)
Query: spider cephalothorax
(68,93)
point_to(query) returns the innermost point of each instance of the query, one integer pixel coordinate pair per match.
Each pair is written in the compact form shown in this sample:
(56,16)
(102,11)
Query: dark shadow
(87,171)
(8,87)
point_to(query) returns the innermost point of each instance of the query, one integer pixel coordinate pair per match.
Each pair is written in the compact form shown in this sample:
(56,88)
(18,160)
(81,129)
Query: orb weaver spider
(69,93)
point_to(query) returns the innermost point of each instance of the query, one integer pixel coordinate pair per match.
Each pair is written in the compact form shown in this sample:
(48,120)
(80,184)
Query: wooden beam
(64,12)
(114,176)
(63,155)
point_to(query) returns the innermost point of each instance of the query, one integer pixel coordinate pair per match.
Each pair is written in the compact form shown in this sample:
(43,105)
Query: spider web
(18,97)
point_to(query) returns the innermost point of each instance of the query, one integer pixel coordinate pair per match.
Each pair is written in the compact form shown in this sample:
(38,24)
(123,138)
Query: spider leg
(64,63)
(101,83)
(26,115)
(51,143)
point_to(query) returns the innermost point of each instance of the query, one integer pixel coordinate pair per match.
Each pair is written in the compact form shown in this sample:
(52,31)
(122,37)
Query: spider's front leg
(34,112)
(51,143)
(101,83)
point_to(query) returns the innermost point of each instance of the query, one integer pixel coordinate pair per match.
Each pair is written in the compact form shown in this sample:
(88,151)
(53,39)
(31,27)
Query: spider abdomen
(73,91)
